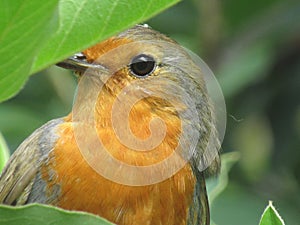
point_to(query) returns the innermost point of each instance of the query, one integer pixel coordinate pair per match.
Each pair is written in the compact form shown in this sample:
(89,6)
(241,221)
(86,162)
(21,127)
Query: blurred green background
(253,47)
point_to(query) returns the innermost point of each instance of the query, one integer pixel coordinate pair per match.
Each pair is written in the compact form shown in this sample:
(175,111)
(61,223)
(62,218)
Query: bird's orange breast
(81,188)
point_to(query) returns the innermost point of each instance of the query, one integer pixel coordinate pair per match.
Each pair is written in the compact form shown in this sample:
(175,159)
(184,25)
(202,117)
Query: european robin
(134,149)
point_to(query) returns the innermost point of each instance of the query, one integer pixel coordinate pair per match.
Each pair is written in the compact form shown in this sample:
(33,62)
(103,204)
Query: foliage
(271,216)
(37,34)
(35,214)
(4,152)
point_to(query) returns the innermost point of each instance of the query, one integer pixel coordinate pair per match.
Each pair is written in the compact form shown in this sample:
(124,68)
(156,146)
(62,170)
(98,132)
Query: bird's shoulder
(16,179)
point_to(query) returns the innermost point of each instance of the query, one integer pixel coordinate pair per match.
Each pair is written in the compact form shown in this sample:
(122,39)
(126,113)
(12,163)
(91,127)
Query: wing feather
(17,178)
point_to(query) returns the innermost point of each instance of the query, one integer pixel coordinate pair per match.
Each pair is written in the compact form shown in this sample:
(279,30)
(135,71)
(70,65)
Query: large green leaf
(36,214)
(24,27)
(271,216)
(35,34)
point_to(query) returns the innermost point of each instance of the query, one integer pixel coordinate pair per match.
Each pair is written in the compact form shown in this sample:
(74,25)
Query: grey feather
(17,178)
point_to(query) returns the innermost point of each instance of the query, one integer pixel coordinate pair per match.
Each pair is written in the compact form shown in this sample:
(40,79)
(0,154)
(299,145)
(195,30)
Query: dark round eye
(142,65)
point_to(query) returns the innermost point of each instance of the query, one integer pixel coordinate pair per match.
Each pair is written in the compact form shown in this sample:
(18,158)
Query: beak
(78,63)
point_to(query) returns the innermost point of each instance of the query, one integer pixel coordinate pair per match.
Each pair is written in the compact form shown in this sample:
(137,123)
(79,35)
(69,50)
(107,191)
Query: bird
(168,110)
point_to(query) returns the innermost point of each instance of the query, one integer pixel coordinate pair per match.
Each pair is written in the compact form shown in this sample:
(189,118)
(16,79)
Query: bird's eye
(142,65)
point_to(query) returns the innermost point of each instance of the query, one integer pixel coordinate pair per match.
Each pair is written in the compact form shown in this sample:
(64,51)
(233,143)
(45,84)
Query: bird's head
(147,99)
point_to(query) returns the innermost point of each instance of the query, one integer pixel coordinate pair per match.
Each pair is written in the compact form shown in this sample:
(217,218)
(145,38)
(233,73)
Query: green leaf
(215,186)
(4,152)
(271,216)
(24,27)
(37,214)
(36,34)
